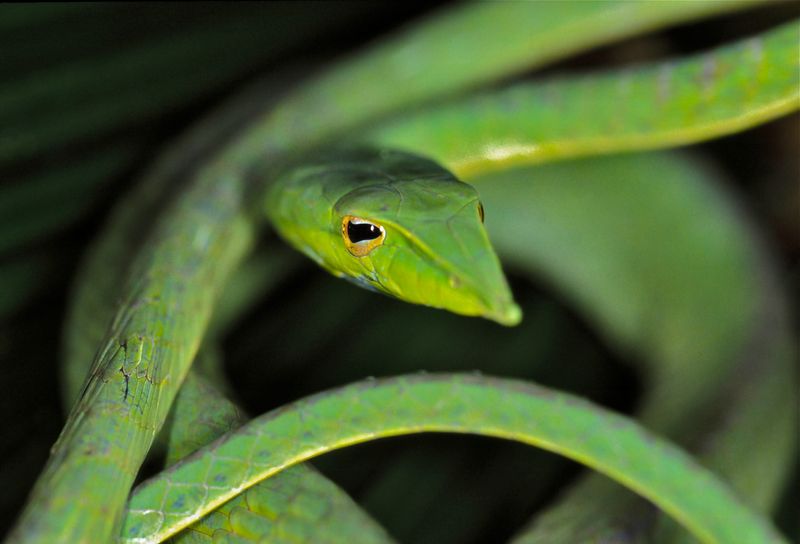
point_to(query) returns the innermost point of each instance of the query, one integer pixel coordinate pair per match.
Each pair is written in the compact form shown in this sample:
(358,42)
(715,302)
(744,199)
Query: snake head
(423,241)
(398,224)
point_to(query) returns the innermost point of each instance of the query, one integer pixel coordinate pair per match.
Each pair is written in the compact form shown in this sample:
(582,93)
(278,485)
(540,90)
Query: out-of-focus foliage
(629,276)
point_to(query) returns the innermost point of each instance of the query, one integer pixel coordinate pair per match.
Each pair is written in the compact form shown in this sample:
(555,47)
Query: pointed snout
(507,313)
(479,273)
(492,299)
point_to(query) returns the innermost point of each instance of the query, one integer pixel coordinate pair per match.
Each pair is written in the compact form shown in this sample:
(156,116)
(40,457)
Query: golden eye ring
(361,236)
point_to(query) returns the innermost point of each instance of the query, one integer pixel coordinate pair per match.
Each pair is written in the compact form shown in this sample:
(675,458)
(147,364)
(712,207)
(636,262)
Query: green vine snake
(382,215)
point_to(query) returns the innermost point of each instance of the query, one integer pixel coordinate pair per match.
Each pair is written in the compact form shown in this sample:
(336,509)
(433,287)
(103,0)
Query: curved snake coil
(153,329)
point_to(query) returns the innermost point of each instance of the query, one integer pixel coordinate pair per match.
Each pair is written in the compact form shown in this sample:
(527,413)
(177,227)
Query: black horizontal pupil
(358,232)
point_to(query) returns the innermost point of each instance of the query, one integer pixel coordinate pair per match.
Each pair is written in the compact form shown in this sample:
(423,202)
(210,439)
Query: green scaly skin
(436,251)
(202,413)
(298,504)
(776,98)
(452,403)
(200,238)
(666,326)
(671,103)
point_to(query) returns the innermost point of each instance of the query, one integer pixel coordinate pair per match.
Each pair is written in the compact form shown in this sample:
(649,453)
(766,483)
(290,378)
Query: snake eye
(361,236)
(480,211)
